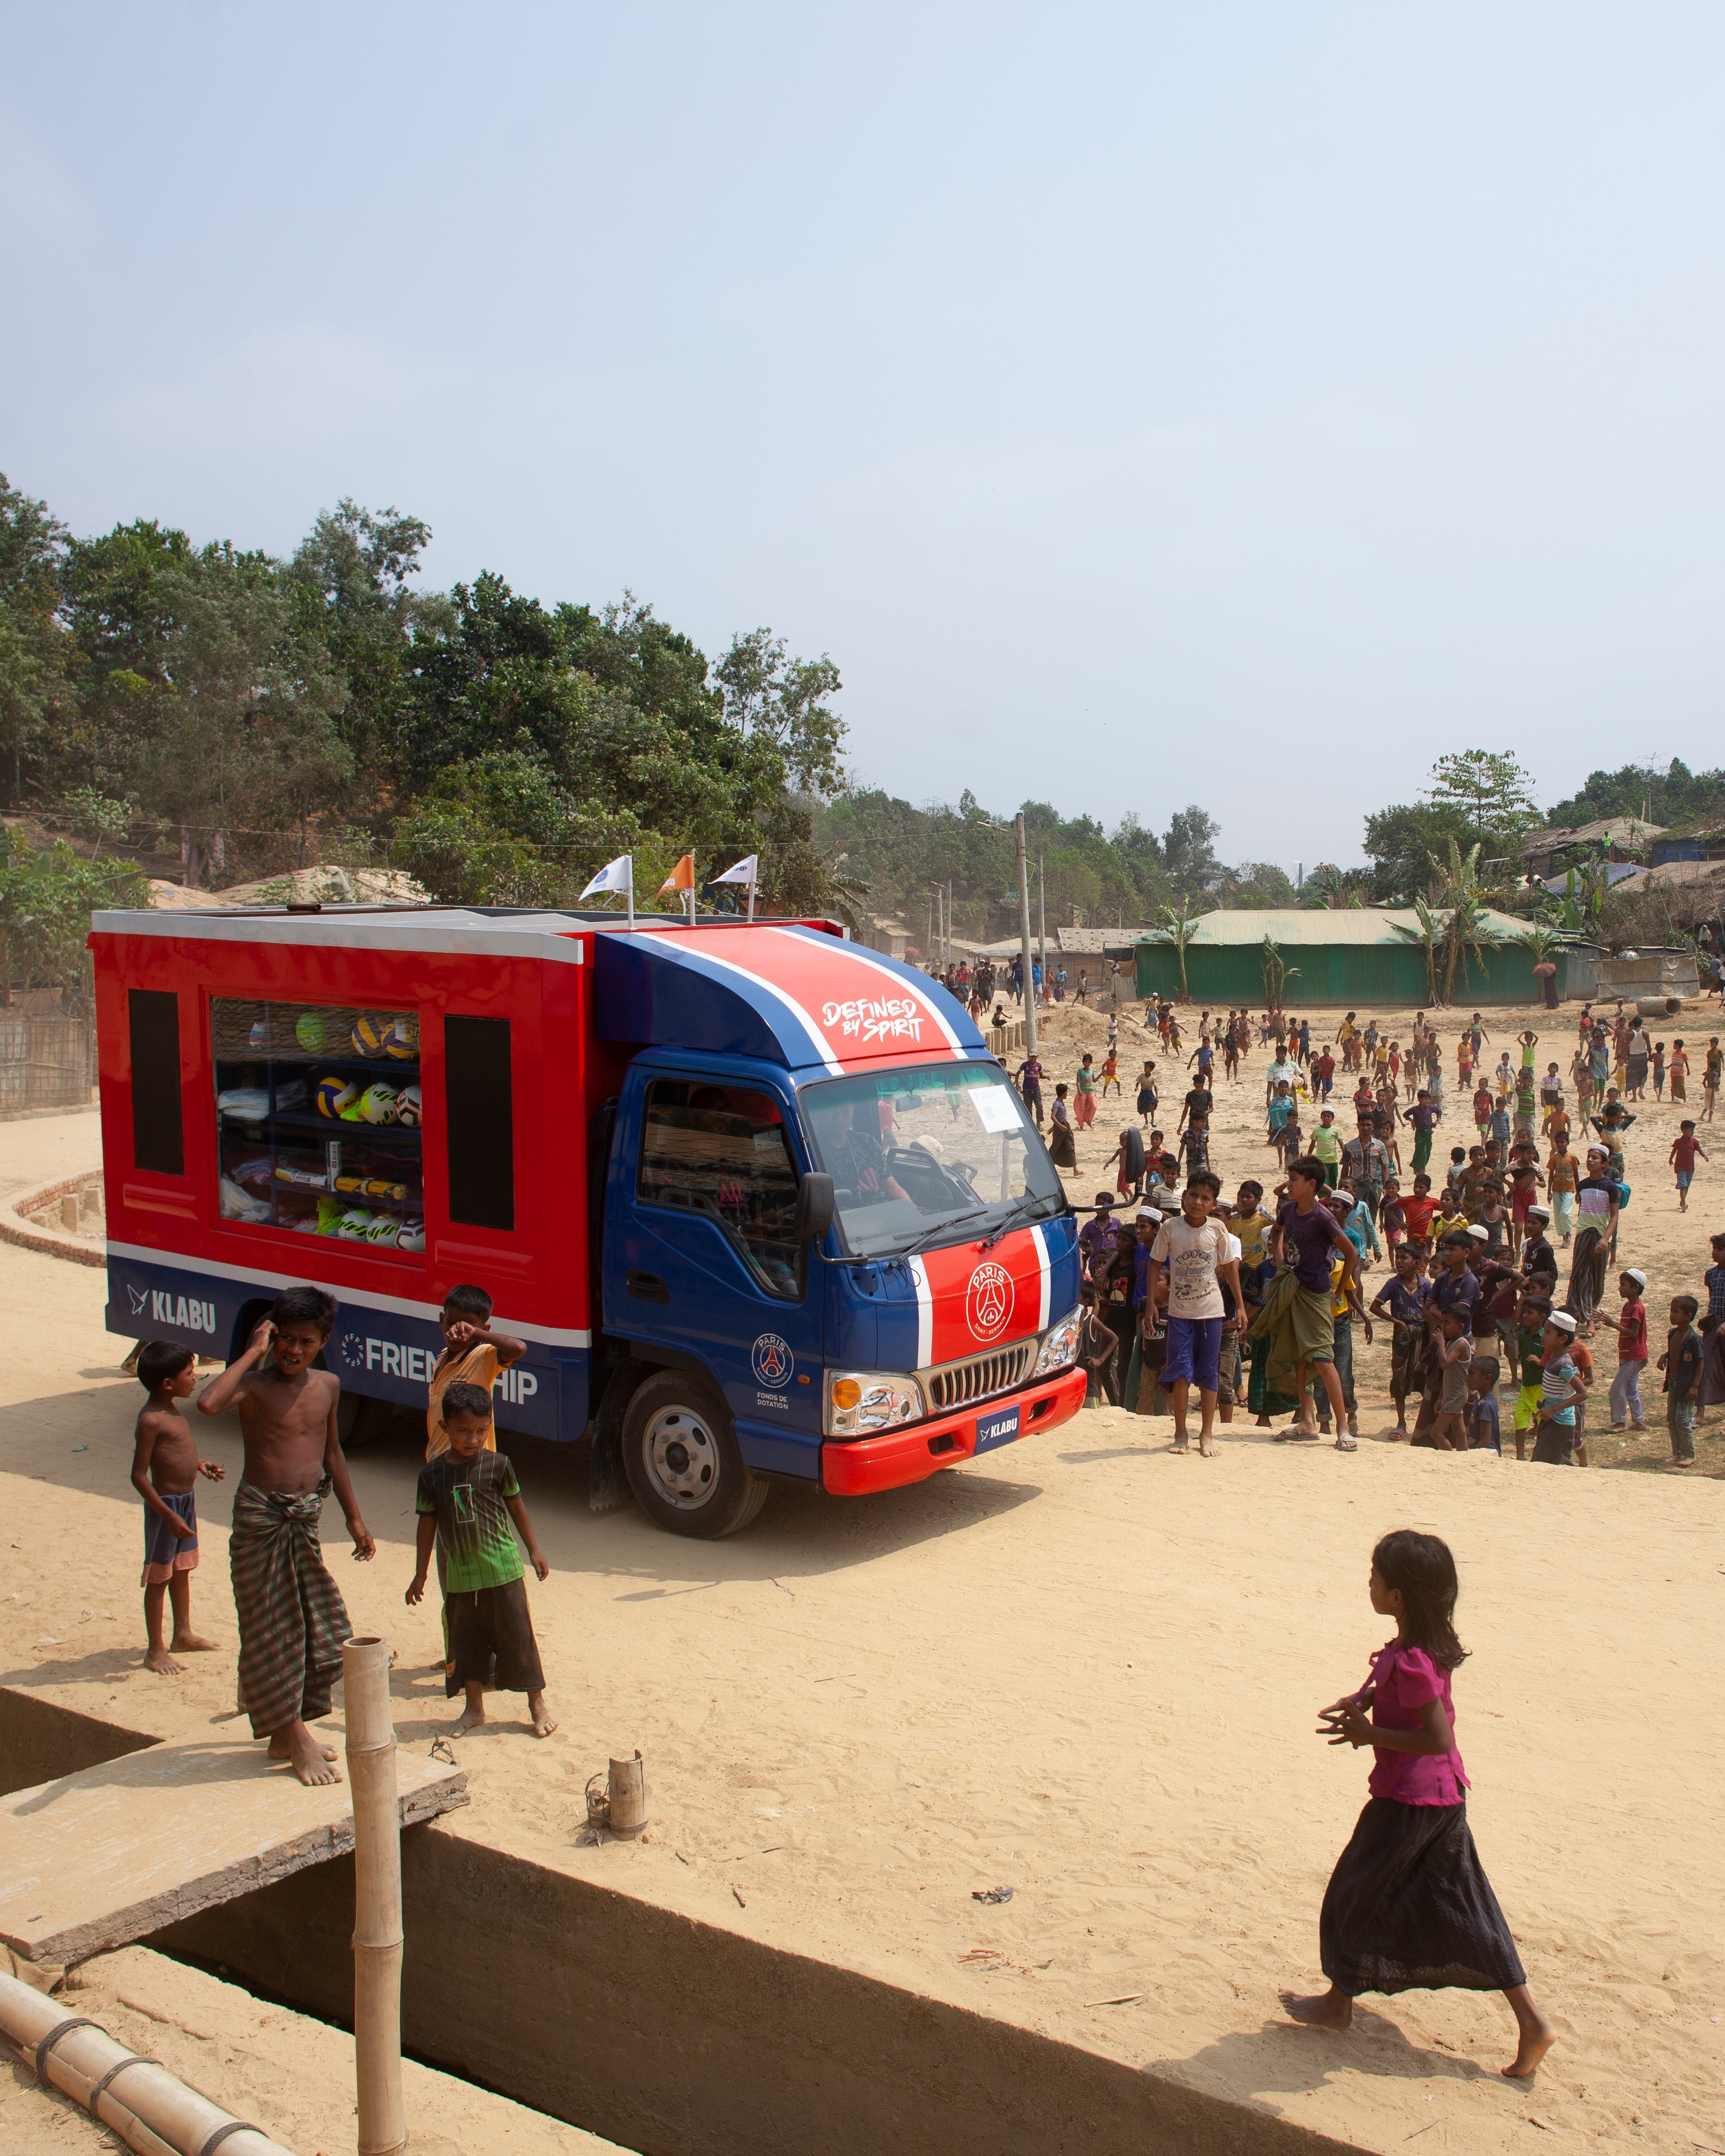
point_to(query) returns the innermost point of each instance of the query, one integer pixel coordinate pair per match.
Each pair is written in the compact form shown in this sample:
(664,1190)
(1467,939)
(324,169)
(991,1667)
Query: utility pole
(1024,938)
(1041,922)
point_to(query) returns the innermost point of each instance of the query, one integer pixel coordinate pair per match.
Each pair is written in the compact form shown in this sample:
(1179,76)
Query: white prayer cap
(1563,1320)
(1635,1274)
(1539,1212)
(1480,1233)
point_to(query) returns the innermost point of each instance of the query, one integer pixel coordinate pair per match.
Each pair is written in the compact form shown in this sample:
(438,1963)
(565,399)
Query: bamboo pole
(143,2103)
(378,1936)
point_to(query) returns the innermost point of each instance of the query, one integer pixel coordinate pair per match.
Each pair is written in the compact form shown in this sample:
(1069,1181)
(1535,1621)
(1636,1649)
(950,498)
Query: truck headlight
(862,1403)
(1060,1344)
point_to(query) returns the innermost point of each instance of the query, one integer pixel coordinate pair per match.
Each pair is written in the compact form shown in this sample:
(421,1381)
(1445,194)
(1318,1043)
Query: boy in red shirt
(1417,1210)
(1631,1352)
(1684,1148)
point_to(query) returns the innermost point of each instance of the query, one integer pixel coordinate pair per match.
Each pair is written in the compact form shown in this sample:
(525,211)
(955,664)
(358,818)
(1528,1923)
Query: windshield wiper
(1031,1198)
(919,1235)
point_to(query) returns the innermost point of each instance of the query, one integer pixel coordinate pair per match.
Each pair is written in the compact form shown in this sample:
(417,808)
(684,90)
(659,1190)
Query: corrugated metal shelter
(1349,955)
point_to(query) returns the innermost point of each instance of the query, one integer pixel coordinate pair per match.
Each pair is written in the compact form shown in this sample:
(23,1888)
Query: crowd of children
(292,1620)
(1473,1297)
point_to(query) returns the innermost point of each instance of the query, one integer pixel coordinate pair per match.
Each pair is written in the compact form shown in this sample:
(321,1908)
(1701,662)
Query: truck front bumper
(859,1466)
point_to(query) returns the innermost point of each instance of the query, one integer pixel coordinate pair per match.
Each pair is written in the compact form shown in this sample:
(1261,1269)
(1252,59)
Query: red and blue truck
(760,1202)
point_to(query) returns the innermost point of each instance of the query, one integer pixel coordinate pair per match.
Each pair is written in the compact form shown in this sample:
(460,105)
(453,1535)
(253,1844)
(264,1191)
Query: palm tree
(1179,928)
(1428,936)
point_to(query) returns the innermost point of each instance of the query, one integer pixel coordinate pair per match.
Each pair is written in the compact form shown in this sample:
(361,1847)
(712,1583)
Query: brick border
(51,1242)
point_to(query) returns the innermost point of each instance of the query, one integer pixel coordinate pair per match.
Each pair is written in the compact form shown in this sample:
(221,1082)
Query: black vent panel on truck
(478,1099)
(158,1138)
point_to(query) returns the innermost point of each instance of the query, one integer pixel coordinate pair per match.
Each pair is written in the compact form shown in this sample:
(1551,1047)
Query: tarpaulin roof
(1316,926)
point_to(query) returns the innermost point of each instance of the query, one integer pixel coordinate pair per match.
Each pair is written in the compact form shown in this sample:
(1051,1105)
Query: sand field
(1087,1670)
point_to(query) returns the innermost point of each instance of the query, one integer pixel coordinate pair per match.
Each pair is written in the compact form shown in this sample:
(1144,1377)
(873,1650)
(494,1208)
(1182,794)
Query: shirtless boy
(292,1618)
(165,1469)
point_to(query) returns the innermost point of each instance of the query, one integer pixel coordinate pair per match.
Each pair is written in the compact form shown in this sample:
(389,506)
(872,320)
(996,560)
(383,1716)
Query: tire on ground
(680,1454)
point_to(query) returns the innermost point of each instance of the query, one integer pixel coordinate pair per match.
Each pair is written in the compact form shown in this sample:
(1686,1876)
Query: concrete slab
(111,1853)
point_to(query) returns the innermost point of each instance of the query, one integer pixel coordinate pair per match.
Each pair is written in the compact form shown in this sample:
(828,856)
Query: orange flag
(681,877)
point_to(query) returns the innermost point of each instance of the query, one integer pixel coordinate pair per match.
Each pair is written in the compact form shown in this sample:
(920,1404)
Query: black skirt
(1409,1908)
(491,1640)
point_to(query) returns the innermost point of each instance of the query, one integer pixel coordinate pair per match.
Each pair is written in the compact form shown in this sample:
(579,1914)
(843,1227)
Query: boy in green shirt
(1326,1147)
(466,1500)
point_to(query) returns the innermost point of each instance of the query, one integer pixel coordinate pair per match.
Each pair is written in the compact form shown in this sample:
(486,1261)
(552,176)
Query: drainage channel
(659,2031)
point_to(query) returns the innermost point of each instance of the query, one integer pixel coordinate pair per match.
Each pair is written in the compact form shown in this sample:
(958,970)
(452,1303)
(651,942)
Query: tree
(1188,851)
(1276,973)
(1179,928)
(1664,792)
(1491,791)
(46,900)
(1465,929)
(34,687)
(786,698)
(1428,936)
(1406,843)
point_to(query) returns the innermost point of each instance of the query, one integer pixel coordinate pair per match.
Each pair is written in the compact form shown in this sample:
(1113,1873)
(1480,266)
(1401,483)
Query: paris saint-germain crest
(772,1362)
(988,1301)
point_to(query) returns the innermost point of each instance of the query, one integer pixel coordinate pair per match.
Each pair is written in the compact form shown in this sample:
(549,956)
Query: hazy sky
(1234,403)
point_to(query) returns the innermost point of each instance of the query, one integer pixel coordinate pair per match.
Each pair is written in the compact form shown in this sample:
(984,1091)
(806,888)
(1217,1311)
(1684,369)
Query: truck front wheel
(680,1456)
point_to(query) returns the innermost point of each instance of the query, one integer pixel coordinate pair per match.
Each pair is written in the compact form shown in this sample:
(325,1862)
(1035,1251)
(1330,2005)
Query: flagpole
(752,898)
(691,890)
(631,890)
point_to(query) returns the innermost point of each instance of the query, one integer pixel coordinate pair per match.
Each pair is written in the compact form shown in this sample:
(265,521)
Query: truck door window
(720,1151)
(318,1111)
(480,1092)
(158,1138)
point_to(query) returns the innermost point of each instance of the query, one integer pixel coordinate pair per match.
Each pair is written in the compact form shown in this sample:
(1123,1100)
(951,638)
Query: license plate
(1000,1428)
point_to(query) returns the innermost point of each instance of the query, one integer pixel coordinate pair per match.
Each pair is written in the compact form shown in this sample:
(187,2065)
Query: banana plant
(1179,928)
(1428,936)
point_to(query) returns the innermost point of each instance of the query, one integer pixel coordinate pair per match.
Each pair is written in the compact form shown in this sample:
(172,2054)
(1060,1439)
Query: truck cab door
(699,1255)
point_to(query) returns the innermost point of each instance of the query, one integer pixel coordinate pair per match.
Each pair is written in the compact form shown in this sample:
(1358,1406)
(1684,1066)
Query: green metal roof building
(1347,956)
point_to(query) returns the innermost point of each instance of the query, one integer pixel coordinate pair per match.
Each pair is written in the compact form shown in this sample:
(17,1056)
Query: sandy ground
(292,2077)
(1087,1670)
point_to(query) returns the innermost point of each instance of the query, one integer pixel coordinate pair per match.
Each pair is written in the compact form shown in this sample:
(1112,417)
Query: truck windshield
(911,1152)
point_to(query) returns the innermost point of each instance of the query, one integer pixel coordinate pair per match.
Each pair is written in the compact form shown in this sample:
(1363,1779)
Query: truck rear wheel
(679,1453)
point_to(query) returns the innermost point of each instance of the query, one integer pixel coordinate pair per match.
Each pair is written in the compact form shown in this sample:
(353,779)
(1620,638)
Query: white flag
(745,871)
(615,875)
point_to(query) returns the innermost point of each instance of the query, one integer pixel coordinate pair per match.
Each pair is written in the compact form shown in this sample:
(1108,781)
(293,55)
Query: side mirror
(813,1214)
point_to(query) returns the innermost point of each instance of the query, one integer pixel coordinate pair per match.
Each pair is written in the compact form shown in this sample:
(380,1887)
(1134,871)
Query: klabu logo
(189,1314)
(876,1018)
(988,1301)
(772,1362)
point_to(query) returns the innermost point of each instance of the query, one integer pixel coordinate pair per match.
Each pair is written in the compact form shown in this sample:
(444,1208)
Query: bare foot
(281,1749)
(1205,1449)
(542,1723)
(314,1764)
(1536,2042)
(163,1663)
(1178,1445)
(191,1643)
(470,1718)
(1329,2009)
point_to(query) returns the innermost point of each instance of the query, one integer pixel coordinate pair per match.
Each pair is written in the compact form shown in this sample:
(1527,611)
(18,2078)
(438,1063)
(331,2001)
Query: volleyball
(400,1044)
(407,1106)
(385,1228)
(368,1036)
(336,1096)
(308,1031)
(378,1104)
(411,1236)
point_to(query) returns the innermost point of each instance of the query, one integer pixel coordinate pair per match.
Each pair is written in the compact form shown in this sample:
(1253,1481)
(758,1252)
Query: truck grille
(957,1384)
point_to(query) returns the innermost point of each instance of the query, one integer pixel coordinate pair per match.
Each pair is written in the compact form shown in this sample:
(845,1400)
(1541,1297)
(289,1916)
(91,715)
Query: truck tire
(680,1456)
(359,1419)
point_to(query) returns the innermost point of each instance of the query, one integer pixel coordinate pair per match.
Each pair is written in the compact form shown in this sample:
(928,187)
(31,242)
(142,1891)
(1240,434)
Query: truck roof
(796,993)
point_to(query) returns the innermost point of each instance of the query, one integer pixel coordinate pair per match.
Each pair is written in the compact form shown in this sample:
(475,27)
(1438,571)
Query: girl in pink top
(1408,1907)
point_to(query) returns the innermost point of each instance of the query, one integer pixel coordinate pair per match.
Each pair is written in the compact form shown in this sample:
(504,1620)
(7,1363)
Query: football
(385,1228)
(413,1236)
(407,1106)
(308,1031)
(355,1225)
(378,1104)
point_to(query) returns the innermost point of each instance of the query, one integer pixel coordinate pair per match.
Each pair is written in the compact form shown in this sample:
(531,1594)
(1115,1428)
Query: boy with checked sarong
(292,1618)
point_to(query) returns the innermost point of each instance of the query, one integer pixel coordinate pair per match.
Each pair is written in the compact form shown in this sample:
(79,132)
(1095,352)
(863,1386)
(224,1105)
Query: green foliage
(1406,843)
(1668,794)
(1429,935)
(34,651)
(1179,928)
(1489,790)
(46,900)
